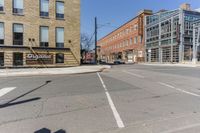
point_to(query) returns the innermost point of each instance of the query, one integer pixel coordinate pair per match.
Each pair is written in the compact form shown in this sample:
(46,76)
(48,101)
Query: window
(140,39)
(135,27)
(17,34)
(60,37)
(1,33)
(131,41)
(44,36)
(60,58)
(59,10)
(18,6)
(1,59)
(135,40)
(44,8)
(1,5)
(17,59)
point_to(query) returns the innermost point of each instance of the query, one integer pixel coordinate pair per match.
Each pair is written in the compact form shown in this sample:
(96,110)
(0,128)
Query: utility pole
(96,40)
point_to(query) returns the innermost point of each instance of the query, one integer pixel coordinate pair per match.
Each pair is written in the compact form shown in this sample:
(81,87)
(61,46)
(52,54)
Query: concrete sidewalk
(172,65)
(52,71)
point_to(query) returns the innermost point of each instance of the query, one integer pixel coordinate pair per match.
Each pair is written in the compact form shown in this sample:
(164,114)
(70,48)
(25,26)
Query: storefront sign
(39,58)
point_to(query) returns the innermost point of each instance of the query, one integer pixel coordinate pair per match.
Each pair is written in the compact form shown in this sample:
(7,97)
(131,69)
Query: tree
(86,44)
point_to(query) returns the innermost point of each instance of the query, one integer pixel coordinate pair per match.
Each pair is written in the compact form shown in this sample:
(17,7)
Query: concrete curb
(172,65)
(55,71)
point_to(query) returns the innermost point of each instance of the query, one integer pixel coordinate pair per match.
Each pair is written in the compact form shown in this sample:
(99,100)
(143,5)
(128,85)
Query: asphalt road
(124,99)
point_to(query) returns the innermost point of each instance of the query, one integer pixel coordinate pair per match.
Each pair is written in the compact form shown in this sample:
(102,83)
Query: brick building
(125,43)
(39,33)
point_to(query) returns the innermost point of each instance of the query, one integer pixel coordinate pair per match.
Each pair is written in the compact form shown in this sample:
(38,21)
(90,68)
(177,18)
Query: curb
(54,74)
(172,65)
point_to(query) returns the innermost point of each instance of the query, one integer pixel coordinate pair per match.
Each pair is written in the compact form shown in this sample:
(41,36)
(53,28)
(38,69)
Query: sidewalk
(172,65)
(52,71)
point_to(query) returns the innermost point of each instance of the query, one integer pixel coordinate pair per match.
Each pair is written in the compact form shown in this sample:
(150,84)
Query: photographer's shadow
(45,130)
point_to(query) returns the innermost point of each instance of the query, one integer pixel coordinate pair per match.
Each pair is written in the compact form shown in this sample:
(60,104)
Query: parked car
(119,62)
(102,61)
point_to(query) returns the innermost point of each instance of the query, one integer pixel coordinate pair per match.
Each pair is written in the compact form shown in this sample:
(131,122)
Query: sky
(114,13)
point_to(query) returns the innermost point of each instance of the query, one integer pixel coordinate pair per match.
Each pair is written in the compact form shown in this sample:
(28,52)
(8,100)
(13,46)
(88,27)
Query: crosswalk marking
(4,91)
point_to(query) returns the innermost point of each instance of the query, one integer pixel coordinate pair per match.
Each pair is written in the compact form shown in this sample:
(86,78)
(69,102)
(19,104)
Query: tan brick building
(39,33)
(125,43)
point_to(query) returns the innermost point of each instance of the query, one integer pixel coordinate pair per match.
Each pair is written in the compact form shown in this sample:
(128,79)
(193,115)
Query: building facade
(169,35)
(39,33)
(125,43)
(196,42)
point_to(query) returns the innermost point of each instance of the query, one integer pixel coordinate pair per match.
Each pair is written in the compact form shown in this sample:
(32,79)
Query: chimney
(186,6)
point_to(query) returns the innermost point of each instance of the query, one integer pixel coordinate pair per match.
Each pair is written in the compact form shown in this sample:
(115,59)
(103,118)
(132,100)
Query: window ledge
(2,12)
(60,19)
(18,14)
(44,17)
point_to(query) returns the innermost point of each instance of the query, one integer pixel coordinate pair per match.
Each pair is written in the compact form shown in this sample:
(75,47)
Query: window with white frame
(1,5)
(18,36)
(60,9)
(44,8)
(1,33)
(18,6)
(44,36)
(60,37)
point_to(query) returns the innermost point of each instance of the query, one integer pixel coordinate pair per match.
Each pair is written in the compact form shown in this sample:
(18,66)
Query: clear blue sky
(118,12)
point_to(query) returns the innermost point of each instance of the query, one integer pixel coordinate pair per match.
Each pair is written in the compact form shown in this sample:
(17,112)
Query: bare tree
(86,44)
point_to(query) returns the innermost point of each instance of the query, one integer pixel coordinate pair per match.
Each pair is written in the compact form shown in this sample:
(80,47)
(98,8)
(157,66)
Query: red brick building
(126,42)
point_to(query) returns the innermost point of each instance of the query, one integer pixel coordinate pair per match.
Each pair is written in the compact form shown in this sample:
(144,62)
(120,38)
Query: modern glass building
(169,35)
(196,41)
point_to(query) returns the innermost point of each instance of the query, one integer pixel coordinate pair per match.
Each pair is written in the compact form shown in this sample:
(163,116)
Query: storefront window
(17,59)
(60,58)
(1,59)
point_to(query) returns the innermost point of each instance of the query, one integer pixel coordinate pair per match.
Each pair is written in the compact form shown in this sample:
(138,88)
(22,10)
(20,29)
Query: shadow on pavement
(9,103)
(45,130)
(19,102)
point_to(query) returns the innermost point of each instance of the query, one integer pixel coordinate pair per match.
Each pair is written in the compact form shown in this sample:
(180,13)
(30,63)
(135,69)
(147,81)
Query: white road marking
(114,110)
(136,75)
(182,128)
(167,85)
(4,91)
(178,89)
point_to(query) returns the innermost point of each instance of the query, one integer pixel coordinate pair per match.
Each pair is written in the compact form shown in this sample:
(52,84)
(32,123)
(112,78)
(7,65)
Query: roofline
(121,26)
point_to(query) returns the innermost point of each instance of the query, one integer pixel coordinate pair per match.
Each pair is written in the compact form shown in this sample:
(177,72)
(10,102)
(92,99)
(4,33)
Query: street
(123,99)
